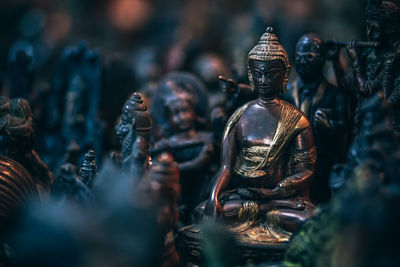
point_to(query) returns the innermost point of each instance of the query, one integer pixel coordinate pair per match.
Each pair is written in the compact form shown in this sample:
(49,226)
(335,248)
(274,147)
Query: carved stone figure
(18,140)
(325,107)
(133,130)
(69,187)
(377,69)
(192,149)
(88,170)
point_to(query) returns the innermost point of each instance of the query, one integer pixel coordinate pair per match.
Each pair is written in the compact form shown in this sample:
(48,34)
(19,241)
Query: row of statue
(261,160)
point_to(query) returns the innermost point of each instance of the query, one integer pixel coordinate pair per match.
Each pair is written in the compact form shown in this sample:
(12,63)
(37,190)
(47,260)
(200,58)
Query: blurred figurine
(18,140)
(179,109)
(69,187)
(324,105)
(232,96)
(209,66)
(268,158)
(75,101)
(192,149)
(21,74)
(160,188)
(88,170)
(362,207)
(133,130)
(377,69)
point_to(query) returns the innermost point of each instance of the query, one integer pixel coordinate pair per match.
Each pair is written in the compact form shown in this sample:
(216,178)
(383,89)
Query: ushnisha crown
(268,48)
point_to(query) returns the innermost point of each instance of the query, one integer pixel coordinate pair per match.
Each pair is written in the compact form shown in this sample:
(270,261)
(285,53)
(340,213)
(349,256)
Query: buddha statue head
(268,65)
(310,56)
(382,21)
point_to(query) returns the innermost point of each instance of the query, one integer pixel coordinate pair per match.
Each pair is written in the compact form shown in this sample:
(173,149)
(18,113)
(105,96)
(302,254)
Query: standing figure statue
(325,107)
(73,123)
(133,130)
(268,157)
(377,69)
(193,149)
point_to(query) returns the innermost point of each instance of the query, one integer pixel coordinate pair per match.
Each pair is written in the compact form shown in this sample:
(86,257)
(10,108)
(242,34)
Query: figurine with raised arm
(324,105)
(377,69)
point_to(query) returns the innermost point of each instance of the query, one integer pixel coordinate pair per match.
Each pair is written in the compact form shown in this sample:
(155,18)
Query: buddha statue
(268,157)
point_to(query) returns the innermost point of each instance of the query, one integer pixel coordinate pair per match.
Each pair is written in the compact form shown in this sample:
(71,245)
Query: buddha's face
(310,58)
(268,76)
(181,115)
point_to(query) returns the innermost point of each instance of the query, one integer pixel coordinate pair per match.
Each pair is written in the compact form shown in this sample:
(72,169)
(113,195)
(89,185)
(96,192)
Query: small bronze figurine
(324,105)
(133,130)
(160,189)
(192,149)
(18,140)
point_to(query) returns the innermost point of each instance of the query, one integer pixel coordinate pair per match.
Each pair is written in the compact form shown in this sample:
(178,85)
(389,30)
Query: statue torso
(263,136)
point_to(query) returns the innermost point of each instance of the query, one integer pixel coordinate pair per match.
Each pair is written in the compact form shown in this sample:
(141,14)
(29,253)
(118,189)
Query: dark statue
(18,140)
(133,130)
(191,148)
(376,69)
(88,170)
(68,187)
(73,106)
(307,173)
(160,189)
(324,105)
(21,74)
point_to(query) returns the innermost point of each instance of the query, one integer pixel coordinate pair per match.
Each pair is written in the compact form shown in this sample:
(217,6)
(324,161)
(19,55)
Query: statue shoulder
(234,118)
(296,114)
(239,111)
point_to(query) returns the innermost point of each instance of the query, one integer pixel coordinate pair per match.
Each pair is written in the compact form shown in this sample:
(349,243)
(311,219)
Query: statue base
(247,250)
